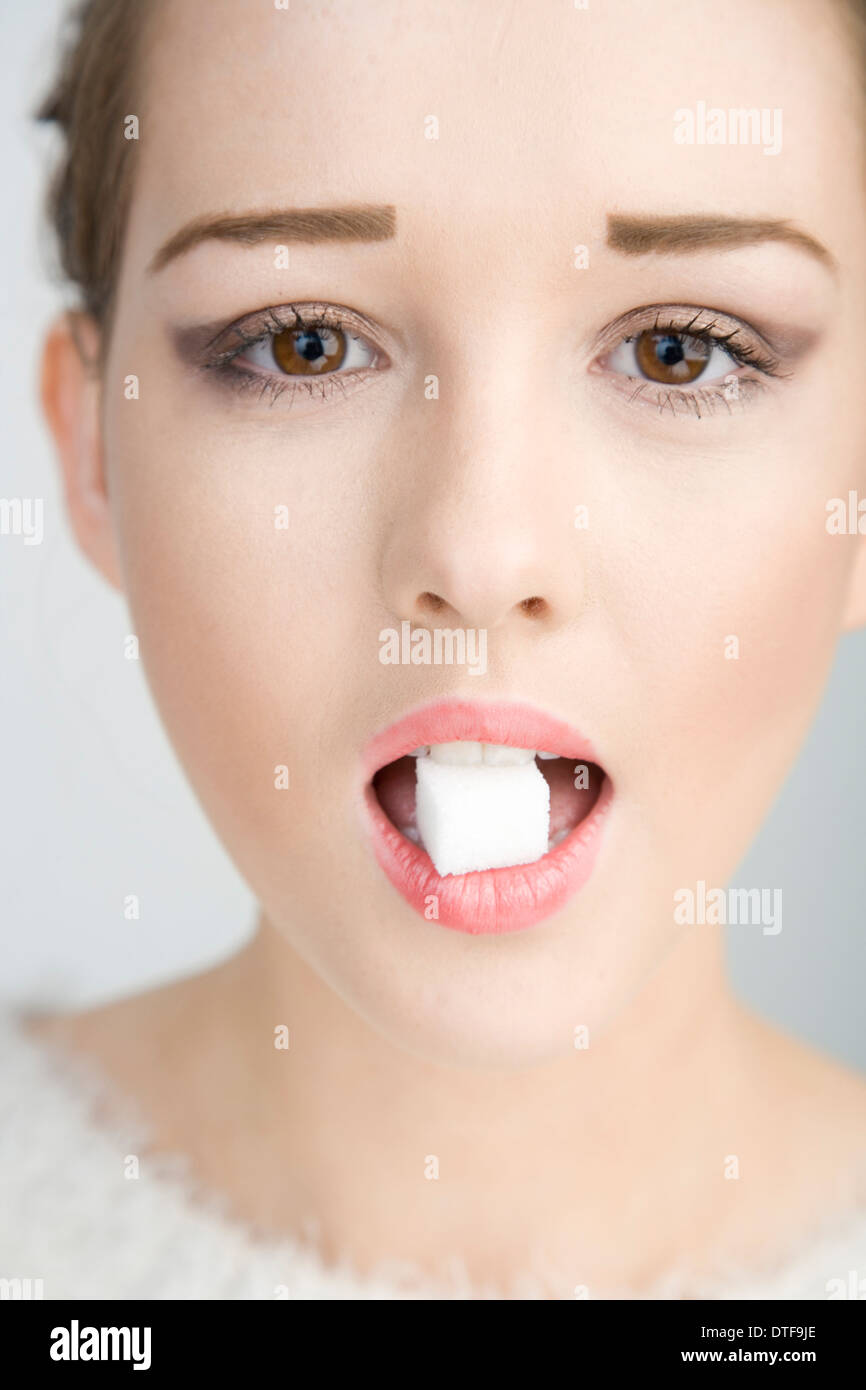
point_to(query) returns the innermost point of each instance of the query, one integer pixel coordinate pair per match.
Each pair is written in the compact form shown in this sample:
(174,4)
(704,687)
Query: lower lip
(492,901)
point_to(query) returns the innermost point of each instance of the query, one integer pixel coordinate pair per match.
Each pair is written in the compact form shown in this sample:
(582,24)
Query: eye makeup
(673,357)
(312,349)
(684,359)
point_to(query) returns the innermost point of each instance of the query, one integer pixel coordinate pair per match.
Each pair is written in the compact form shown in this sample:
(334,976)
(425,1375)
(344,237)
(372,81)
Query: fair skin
(261,645)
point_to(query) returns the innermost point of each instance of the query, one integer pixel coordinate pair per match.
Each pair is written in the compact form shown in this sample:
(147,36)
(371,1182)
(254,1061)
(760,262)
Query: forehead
(518,120)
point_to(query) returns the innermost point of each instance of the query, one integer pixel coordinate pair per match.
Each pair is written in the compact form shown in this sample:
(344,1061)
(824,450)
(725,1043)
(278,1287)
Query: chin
(500,1001)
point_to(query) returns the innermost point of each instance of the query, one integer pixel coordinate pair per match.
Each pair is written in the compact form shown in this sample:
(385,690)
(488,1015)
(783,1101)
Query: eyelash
(752,353)
(271,324)
(681,320)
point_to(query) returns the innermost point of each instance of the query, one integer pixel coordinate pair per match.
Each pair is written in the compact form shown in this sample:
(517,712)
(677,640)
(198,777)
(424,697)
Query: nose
(480,530)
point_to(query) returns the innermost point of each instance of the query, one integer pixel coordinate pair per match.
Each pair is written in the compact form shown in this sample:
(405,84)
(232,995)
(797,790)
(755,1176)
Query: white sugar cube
(481,817)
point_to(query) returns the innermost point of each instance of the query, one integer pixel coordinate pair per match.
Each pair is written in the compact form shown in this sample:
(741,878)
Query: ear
(855,608)
(71,392)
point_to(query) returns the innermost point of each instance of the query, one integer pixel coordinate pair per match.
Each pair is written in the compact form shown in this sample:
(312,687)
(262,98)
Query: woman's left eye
(672,358)
(681,358)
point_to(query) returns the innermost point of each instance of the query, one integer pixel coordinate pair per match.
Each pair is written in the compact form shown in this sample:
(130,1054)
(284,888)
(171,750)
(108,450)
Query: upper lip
(512,723)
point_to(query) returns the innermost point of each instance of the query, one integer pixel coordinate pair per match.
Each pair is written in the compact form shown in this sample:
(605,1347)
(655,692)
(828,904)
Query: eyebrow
(636,236)
(357,222)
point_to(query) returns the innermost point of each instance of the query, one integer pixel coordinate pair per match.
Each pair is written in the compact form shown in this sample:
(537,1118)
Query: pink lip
(493,900)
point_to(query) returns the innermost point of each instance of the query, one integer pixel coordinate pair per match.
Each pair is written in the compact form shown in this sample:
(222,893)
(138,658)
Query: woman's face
(663,500)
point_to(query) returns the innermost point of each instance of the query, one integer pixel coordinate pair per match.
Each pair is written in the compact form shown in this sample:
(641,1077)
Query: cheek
(245,573)
(730,627)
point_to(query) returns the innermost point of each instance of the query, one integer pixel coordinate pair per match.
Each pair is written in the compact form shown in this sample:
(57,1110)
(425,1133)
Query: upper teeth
(464,752)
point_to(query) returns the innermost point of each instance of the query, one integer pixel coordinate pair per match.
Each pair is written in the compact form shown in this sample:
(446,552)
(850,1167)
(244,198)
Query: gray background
(94,806)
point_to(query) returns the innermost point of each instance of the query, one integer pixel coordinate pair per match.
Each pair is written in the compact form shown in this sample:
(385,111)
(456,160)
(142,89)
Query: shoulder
(82,1206)
(88,1212)
(62,1168)
(826,1265)
(816,1102)
(810,1180)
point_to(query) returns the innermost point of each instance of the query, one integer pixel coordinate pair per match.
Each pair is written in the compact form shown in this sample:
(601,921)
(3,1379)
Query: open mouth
(487,833)
(572,791)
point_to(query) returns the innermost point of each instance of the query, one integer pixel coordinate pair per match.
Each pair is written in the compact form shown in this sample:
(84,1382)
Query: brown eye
(309,351)
(672,358)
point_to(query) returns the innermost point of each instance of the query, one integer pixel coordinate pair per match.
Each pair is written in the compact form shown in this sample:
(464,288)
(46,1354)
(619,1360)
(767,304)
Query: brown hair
(94,89)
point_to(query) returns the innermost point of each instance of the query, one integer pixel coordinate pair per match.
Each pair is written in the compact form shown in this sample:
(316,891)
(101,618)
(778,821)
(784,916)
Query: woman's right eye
(314,350)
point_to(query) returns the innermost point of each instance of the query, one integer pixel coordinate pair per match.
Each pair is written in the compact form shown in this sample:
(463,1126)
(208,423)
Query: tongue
(569,805)
(395,788)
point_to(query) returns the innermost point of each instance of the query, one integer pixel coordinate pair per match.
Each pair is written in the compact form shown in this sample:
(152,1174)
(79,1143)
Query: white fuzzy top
(71,1217)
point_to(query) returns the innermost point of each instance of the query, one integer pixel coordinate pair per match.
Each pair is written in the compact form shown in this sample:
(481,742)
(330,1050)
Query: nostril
(431,603)
(534,607)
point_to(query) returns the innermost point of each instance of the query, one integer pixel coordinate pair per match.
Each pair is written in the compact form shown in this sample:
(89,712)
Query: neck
(619,1145)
